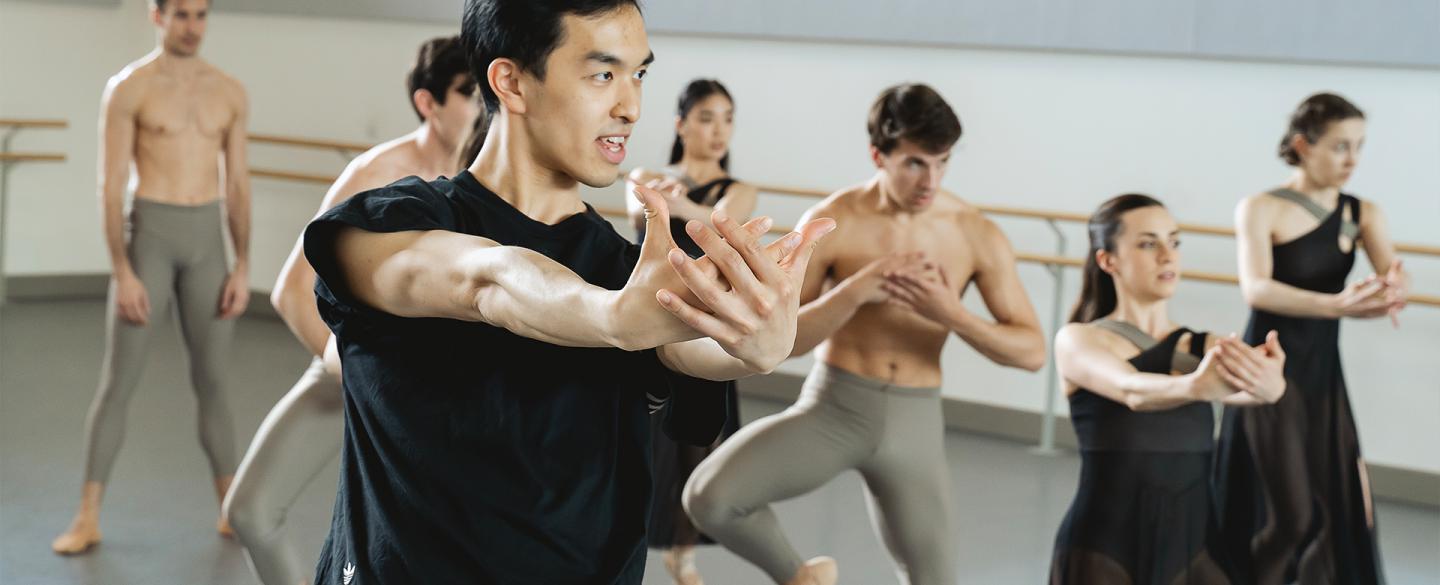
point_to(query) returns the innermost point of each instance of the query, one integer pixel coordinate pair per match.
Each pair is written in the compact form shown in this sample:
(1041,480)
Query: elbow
(1137,403)
(1032,356)
(1035,357)
(1250,291)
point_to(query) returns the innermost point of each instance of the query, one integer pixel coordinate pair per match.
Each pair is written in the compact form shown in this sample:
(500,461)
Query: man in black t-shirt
(503,345)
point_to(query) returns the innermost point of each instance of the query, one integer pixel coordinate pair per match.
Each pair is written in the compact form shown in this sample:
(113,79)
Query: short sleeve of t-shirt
(405,205)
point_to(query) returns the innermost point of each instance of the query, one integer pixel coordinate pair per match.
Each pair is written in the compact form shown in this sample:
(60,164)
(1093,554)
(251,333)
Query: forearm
(1007,344)
(1270,295)
(703,358)
(237,212)
(535,297)
(112,210)
(1146,392)
(821,318)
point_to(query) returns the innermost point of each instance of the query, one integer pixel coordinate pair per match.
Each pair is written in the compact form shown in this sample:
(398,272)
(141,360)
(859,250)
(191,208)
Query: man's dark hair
(437,64)
(160,4)
(524,31)
(912,112)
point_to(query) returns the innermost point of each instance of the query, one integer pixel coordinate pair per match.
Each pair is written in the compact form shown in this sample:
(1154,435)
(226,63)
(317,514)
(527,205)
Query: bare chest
(179,109)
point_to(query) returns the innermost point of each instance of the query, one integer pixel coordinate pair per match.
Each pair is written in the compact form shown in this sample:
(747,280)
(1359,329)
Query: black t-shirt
(473,455)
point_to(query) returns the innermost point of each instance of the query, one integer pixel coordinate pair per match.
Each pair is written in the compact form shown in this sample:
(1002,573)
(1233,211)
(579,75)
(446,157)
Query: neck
(173,61)
(1301,182)
(1151,316)
(883,201)
(435,156)
(700,171)
(507,165)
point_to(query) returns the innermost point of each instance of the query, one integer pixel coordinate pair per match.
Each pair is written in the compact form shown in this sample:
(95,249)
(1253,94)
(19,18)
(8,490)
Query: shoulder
(741,188)
(1076,335)
(1080,336)
(231,87)
(130,82)
(1258,203)
(837,204)
(388,161)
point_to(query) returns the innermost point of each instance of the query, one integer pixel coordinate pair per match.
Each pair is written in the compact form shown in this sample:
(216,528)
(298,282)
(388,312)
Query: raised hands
(742,294)
(1258,371)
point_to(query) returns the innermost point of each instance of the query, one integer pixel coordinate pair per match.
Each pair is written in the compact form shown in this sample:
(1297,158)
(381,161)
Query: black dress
(1292,492)
(1143,512)
(673,462)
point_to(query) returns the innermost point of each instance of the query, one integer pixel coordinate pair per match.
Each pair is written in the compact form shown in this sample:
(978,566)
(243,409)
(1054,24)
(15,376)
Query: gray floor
(160,510)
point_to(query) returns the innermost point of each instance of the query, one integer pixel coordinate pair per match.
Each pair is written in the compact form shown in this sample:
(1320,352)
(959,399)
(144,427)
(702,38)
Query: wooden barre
(357,147)
(1196,275)
(36,123)
(290,176)
(31,157)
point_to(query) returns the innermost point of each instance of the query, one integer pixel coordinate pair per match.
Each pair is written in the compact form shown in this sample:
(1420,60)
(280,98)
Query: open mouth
(612,147)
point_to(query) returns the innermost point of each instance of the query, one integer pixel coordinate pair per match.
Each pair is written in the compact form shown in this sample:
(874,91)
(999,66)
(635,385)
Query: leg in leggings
(297,439)
(907,485)
(126,345)
(207,337)
(830,429)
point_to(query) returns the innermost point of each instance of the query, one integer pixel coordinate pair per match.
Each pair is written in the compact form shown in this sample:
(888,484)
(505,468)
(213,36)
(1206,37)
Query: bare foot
(83,535)
(84,531)
(681,564)
(222,487)
(817,571)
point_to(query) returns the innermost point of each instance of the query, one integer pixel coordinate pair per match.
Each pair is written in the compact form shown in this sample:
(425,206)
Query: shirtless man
(880,298)
(172,116)
(302,433)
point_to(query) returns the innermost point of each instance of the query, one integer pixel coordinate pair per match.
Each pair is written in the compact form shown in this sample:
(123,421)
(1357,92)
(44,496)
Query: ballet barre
(8,159)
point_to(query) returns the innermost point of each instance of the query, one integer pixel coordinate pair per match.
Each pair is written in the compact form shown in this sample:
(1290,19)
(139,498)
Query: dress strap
(1348,227)
(1180,361)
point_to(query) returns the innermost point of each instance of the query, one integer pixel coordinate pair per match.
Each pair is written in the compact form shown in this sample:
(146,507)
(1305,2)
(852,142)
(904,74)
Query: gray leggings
(893,435)
(178,252)
(297,439)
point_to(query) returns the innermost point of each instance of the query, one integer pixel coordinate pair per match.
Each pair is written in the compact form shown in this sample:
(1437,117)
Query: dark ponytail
(472,142)
(1097,290)
(698,90)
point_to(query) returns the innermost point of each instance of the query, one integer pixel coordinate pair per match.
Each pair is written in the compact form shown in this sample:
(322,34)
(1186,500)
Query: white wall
(1041,130)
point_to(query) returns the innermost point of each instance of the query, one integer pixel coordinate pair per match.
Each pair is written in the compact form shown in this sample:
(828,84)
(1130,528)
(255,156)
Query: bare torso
(181,122)
(883,341)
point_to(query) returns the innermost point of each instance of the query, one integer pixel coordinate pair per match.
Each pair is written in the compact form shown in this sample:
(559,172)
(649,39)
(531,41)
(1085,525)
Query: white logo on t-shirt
(348,572)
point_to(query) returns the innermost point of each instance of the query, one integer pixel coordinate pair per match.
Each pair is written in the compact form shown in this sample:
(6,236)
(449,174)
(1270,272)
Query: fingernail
(676,257)
(692,227)
(766,223)
(720,216)
(665,296)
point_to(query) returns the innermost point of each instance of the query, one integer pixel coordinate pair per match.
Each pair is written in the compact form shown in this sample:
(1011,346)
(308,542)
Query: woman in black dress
(697,182)
(1139,389)
(1295,498)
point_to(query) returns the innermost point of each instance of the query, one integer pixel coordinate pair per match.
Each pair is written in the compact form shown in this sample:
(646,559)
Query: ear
(155,16)
(679,121)
(505,79)
(424,102)
(876,156)
(1106,261)
(1300,145)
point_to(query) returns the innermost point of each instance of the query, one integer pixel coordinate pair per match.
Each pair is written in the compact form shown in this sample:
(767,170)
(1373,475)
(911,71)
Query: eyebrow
(613,59)
(1155,235)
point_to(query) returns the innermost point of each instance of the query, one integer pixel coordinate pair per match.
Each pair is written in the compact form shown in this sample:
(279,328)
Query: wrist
(1332,306)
